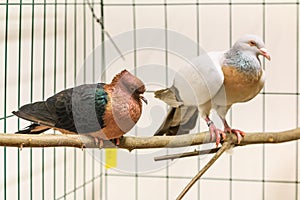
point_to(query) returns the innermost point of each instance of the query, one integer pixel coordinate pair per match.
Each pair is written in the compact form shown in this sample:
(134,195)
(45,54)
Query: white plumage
(215,80)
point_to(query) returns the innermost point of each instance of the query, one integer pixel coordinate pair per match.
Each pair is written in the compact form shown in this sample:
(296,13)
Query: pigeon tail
(36,112)
(170,96)
(33,129)
(179,121)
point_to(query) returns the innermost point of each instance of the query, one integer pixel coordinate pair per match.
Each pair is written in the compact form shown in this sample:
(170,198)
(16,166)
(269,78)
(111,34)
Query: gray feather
(169,96)
(37,112)
(179,121)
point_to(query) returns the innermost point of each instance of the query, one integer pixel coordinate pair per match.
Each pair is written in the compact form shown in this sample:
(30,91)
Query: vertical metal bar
(84,175)
(65,45)
(84,80)
(135,64)
(75,42)
(103,79)
(43,95)
(55,46)
(103,76)
(230,156)
(198,53)
(31,51)
(166,40)
(93,54)
(100,152)
(65,85)
(93,44)
(166,82)
(93,174)
(198,27)
(297,96)
(264,107)
(101,176)
(84,44)
(54,85)
(31,86)
(103,71)
(19,92)
(5,99)
(75,82)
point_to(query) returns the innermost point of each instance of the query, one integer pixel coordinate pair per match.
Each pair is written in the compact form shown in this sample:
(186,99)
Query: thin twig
(226,145)
(186,154)
(114,44)
(99,20)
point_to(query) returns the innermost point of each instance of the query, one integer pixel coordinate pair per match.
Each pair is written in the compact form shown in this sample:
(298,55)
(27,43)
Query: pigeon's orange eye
(252,43)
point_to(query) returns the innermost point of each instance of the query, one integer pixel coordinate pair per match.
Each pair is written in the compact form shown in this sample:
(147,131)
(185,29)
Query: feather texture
(215,80)
(104,111)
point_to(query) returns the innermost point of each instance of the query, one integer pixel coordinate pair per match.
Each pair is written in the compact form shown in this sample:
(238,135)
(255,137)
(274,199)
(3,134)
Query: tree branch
(225,146)
(130,142)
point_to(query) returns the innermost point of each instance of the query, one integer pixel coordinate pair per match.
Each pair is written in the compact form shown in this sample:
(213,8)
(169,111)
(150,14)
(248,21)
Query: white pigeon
(215,80)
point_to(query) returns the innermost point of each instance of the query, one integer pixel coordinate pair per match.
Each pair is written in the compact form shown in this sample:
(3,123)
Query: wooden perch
(130,142)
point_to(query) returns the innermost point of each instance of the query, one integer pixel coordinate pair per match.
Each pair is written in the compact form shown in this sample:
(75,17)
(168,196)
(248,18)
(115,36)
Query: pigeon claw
(239,134)
(214,132)
(98,142)
(217,133)
(116,141)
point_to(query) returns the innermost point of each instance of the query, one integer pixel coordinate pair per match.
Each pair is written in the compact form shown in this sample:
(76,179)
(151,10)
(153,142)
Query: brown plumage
(239,86)
(103,111)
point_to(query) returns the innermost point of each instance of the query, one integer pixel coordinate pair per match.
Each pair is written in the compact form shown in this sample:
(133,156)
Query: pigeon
(214,81)
(102,111)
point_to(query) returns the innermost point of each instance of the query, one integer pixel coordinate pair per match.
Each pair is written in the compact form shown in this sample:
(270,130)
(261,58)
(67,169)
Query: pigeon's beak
(264,52)
(144,99)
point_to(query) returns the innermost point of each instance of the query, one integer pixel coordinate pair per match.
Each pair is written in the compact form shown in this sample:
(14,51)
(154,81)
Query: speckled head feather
(244,53)
(252,40)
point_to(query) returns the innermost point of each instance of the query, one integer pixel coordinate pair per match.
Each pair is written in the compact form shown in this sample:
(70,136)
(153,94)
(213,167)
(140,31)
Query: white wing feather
(201,80)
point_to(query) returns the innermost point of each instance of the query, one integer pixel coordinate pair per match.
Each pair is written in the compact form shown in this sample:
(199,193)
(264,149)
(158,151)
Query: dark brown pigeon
(103,111)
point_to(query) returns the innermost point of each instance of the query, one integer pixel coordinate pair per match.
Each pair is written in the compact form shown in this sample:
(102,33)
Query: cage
(47,46)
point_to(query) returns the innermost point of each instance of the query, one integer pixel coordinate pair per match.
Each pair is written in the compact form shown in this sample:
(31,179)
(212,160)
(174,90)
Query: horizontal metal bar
(159,4)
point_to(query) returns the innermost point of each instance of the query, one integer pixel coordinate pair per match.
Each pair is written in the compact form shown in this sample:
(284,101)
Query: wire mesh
(44,45)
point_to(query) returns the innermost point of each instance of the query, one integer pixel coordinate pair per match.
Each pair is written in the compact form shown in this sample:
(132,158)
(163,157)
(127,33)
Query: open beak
(144,99)
(264,52)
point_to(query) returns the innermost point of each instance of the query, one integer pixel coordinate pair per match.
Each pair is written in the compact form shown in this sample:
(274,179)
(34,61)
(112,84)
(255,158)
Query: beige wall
(210,24)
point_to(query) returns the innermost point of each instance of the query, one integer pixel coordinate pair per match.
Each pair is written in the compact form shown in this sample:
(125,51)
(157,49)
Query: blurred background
(47,46)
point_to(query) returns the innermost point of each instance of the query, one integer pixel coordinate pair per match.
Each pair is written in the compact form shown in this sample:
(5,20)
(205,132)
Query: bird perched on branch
(103,111)
(215,80)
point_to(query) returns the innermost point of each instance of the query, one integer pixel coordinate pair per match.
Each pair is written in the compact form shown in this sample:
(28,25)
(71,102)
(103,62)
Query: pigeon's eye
(252,43)
(132,89)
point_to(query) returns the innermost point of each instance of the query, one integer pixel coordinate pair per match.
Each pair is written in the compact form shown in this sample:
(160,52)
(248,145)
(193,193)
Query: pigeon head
(133,85)
(252,44)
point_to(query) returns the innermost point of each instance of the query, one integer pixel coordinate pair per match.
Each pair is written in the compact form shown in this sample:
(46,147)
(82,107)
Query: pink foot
(239,134)
(117,141)
(98,142)
(214,132)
